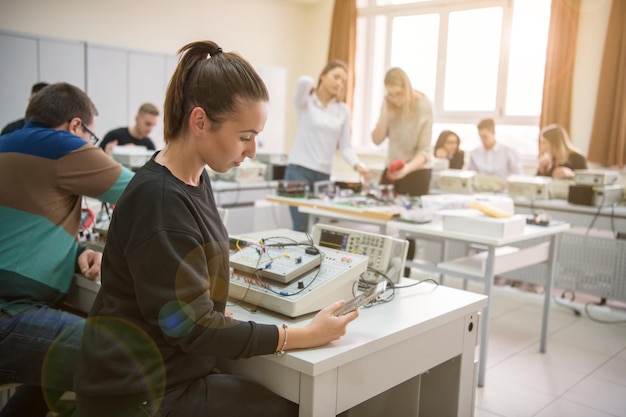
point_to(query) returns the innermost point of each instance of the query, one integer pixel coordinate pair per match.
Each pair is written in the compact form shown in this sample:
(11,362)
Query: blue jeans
(299,173)
(39,348)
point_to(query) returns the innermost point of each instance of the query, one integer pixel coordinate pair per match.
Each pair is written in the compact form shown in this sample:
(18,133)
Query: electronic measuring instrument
(362,299)
(386,254)
(289,276)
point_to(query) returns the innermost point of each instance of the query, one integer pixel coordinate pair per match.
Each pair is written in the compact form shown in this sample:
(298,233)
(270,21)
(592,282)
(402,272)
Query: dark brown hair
(59,103)
(441,140)
(209,78)
(331,65)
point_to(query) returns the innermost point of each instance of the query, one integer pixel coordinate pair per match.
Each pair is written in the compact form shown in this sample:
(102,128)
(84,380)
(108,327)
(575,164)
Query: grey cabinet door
(147,83)
(107,86)
(18,72)
(62,61)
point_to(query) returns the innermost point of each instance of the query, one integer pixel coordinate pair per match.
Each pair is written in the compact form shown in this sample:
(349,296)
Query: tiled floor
(583,372)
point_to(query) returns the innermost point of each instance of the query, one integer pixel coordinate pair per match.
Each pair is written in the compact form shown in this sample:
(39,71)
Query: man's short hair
(487,124)
(59,103)
(149,108)
(37,87)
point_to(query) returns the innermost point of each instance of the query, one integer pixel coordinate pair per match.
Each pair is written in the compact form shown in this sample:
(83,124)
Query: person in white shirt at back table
(493,158)
(323,128)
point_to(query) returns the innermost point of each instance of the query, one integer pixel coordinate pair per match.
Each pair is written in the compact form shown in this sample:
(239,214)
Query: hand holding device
(360,300)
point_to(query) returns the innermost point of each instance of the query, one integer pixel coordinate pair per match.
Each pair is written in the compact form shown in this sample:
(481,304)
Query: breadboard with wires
(278,262)
(311,291)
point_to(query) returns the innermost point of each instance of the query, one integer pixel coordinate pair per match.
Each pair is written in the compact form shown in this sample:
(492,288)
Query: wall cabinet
(117,80)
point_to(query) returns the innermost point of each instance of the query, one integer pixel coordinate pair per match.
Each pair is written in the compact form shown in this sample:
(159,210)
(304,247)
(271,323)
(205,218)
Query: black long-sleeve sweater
(158,319)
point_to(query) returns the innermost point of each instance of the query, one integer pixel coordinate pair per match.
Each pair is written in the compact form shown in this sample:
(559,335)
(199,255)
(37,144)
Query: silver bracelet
(281,352)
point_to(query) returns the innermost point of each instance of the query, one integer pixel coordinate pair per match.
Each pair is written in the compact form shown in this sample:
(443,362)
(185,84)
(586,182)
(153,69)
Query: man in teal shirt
(45,170)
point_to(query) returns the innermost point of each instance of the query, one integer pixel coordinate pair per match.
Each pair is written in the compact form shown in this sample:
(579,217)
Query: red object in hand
(396,165)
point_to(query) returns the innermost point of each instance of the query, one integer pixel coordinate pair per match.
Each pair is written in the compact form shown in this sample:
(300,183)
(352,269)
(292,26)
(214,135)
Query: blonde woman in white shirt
(323,127)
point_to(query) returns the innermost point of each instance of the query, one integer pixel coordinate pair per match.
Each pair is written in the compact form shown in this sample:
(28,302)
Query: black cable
(565,292)
(613,219)
(364,284)
(596,215)
(106,209)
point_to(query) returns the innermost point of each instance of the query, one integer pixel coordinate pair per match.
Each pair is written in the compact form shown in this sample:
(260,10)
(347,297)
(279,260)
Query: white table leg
(554,246)
(484,320)
(318,396)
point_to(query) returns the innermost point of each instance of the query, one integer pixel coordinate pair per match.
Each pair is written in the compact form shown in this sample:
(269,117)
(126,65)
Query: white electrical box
(559,189)
(456,181)
(530,187)
(595,177)
(249,171)
(476,223)
(132,157)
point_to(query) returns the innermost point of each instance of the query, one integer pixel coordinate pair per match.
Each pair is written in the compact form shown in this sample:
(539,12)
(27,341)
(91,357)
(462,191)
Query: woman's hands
(363,171)
(563,173)
(323,329)
(399,174)
(441,153)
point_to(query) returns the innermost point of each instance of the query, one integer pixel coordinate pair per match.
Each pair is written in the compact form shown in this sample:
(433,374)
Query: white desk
(322,215)
(316,208)
(607,217)
(383,358)
(484,266)
(412,356)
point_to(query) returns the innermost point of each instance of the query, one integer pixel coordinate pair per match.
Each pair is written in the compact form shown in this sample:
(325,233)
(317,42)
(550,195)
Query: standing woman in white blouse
(323,127)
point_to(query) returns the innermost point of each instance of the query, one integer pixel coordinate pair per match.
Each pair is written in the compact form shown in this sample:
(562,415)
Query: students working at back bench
(159,322)
(45,169)
(448,147)
(136,135)
(493,158)
(323,127)
(558,157)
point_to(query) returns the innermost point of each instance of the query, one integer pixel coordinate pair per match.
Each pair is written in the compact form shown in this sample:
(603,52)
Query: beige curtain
(607,145)
(343,40)
(559,73)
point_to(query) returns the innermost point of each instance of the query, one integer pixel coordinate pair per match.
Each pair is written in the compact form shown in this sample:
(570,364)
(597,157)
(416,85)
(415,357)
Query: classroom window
(473,58)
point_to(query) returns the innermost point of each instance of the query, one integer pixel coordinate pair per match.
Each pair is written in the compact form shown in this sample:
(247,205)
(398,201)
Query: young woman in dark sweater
(160,321)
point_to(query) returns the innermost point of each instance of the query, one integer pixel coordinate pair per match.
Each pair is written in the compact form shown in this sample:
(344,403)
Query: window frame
(370,12)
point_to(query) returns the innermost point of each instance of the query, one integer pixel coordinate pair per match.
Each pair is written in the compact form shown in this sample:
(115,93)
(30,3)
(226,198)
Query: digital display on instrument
(334,239)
